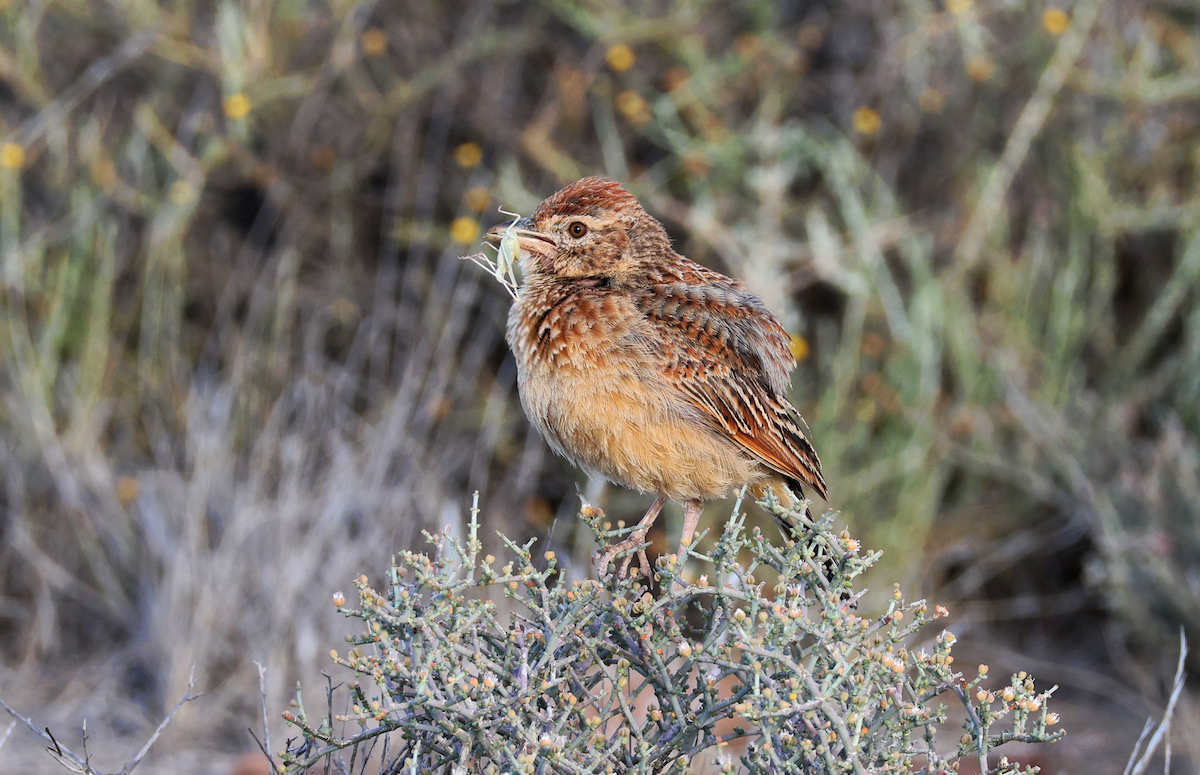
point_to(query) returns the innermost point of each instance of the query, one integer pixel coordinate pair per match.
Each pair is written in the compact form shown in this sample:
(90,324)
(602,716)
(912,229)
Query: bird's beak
(523,228)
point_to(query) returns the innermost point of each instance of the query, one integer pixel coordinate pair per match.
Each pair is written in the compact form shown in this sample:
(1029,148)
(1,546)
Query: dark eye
(577,229)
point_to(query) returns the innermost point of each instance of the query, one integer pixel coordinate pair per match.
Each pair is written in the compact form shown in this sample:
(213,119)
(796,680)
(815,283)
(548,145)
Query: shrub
(763,653)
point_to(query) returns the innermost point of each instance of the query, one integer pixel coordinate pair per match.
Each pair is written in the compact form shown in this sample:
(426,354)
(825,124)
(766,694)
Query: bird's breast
(590,381)
(579,361)
(579,365)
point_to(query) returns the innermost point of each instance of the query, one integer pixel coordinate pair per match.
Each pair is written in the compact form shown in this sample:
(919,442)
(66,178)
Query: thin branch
(7,732)
(185,698)
(59,752)
(82,765)
(1028,126)
(262,748)
(980,727)
(93,78)
(87,757)
(1137,747)
(262,693)
(1164,726)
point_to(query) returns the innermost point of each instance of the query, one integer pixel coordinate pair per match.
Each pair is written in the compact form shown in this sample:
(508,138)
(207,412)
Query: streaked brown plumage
(645,367)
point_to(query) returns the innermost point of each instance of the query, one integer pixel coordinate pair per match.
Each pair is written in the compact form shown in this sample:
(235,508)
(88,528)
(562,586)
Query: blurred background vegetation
(241,362)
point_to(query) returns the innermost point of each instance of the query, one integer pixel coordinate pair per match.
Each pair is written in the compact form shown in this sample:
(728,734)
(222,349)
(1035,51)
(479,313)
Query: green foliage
(763,660)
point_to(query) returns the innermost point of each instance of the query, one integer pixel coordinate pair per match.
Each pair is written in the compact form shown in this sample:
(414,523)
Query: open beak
(523,228)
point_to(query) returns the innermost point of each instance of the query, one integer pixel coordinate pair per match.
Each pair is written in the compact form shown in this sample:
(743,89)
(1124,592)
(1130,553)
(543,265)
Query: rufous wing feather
(729,356)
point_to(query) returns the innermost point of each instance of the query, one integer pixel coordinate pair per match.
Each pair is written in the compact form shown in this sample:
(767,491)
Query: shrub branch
(575,676)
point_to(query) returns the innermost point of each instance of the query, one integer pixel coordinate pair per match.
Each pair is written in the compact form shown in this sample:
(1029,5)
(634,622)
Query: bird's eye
(577,229)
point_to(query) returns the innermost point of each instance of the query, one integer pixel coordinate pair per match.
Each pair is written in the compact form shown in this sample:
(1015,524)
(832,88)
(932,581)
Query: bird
(647,368)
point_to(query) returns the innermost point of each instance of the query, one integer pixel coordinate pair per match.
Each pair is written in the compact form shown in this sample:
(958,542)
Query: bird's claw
(643,563)
(602,559)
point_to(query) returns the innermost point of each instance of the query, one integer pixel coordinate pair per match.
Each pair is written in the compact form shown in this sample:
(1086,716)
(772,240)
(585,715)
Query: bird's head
(591,228)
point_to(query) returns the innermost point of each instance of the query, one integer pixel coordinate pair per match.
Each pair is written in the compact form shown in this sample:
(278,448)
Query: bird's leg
(635,539)
(691,518)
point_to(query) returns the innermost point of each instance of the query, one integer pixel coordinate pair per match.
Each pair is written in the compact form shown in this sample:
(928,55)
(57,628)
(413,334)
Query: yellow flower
(127,490)
(1056,21)
(799,347)
(374,42)
(980,68)
(468,155)
(958,7)
(633,107)
(237,106)
(866,121)
(12,156)
(464,229)
(620,57)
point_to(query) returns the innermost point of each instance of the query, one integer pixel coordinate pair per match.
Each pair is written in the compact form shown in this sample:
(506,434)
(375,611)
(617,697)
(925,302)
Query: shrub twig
(82,764)
(1162,734)
(583,677)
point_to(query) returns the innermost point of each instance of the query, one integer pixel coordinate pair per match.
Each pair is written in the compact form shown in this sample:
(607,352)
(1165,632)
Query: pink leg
(635,540)
(691,518)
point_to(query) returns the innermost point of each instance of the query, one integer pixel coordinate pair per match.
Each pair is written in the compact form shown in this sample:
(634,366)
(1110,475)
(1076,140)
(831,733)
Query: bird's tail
(793,507)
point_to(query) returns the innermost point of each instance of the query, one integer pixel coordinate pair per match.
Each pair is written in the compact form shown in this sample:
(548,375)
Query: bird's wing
(729,356)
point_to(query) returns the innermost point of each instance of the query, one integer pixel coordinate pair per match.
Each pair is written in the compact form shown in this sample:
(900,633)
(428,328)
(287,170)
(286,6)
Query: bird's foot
(643,563)
(602,559)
